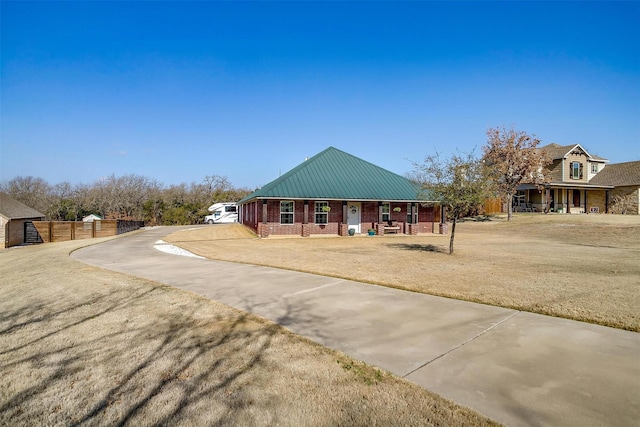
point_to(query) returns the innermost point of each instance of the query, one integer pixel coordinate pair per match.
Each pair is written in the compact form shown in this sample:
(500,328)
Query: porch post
(443,228)
(547,197)
(305,215)
(263,229)
(344,227)
(585,202)
(265,216)
(380,226)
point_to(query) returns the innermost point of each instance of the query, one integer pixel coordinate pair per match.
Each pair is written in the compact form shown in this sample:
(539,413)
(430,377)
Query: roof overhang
(567,185)
(340,199)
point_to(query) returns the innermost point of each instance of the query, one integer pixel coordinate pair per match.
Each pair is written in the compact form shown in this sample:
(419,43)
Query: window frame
(575,170)
(287,213)
(594,168)
(386,212)
(320,213)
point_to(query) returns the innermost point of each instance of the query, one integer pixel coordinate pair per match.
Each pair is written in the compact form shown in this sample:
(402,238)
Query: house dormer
(572,163)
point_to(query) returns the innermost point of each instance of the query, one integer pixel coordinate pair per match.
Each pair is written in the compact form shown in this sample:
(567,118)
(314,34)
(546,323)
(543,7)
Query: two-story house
(579,182)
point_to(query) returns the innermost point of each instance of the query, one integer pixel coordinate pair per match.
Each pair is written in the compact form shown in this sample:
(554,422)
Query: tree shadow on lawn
(415,247)
(91,366)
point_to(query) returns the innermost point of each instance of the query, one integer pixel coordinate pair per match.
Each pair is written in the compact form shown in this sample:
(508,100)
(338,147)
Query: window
(230,209)
(576,170)
(385,212)
(322,212)
(286,212)
(594,168)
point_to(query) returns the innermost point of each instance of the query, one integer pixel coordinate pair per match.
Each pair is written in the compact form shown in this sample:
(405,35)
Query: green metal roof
(335,175)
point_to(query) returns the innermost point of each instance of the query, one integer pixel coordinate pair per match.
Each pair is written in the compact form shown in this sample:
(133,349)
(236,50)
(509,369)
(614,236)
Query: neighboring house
(15,221)
(335,193)
(91,218)
(625,180)
(579,182)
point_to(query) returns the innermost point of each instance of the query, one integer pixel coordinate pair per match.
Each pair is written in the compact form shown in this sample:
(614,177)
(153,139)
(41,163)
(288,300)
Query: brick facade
(12,231)
(304,218)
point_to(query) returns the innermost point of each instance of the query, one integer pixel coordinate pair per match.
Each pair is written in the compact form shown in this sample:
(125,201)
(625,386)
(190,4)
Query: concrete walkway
(518,368)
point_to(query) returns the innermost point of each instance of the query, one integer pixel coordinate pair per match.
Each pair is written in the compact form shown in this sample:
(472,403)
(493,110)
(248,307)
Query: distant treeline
(131,197)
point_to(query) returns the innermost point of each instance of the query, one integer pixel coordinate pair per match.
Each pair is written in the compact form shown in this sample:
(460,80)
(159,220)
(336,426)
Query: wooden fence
(492,206)
(61,231)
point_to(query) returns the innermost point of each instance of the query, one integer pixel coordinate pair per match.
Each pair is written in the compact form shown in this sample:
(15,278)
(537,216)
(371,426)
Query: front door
(353,216)
(576,198)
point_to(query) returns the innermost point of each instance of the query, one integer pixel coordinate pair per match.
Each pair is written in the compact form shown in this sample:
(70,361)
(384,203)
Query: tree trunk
(453,234)
(509,206)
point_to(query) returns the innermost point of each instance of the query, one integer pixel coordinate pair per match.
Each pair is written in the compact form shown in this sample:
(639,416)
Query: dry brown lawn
(582,267)
(84,346)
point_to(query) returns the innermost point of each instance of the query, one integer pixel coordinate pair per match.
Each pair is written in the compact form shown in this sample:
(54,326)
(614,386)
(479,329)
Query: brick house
(15,221)
(335,193)
(579,182)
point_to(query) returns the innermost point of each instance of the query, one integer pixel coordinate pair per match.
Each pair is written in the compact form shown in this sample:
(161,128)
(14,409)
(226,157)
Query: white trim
(293,212)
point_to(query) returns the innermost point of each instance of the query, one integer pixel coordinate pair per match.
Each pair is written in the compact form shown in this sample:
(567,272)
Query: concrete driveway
(518,368)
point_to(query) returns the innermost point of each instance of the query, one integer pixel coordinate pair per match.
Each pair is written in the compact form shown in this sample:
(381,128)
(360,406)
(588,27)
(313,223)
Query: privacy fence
(60,231)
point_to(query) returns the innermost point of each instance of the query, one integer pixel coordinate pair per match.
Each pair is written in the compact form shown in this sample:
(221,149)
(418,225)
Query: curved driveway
(515,367)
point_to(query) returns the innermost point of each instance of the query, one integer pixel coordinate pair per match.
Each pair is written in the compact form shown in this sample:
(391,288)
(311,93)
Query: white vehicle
(222,213)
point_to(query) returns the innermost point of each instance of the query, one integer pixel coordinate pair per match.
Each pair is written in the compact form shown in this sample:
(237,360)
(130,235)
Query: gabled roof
(335,175)
(619,175)
(556,151)
(13,209)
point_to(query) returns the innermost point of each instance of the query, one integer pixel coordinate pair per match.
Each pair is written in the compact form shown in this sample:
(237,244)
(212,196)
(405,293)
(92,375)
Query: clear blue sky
(179,90)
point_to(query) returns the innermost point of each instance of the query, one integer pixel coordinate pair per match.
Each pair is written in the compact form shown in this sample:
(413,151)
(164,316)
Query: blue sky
(176,91)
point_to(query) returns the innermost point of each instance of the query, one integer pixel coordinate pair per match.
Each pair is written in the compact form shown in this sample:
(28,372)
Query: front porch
(307,218)
(562,199)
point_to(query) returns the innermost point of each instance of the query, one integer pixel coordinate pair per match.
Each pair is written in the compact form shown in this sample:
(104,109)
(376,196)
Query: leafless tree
(513,159)
(130,196)
(459,183)
(32,191)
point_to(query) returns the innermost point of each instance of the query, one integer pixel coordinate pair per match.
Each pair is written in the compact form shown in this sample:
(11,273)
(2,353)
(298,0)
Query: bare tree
(130,196)
(459,182)
(61,207)
(32,191)
(624,204)
(513,159)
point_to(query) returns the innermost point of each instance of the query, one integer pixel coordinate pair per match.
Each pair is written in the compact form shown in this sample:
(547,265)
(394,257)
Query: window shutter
(580,170)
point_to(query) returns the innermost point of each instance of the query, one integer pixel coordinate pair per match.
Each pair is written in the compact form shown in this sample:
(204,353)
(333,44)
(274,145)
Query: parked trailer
(222,213)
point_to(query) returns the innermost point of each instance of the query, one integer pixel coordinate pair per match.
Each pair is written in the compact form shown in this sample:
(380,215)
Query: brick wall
(275,228)
(3,232)
(596,199)
(370,214)
(12,231)
(16,232)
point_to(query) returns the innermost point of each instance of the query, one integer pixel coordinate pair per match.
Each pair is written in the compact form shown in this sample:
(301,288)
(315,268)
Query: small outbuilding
(336,193)
(16,221)
(91,218)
